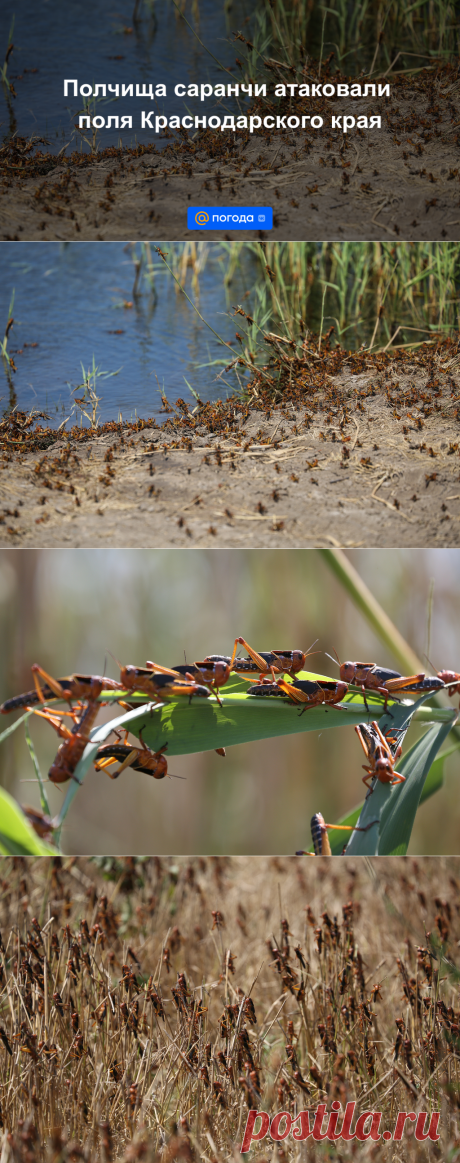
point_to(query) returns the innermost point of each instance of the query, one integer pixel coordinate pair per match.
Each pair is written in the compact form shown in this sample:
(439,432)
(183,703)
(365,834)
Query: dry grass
(125,1028)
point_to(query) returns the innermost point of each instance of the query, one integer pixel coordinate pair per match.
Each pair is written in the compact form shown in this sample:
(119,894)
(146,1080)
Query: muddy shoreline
(372,460)
(402,181)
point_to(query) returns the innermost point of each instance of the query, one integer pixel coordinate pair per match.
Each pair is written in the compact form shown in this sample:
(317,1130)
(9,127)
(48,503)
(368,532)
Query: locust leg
(53,683)
(55,721)
(363,691)
(363,743)
(369,776)
(134,754)
(210,685)
(259,661)
(398,684)
(398,778)
(162,669)
(293,693)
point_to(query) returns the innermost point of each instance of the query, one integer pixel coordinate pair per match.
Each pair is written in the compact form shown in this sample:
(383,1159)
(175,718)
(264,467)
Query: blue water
(98,41)
(69,300)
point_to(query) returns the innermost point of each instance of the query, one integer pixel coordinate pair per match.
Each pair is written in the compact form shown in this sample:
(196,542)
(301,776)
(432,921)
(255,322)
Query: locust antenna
(115,659)
(310,649)
(429,615)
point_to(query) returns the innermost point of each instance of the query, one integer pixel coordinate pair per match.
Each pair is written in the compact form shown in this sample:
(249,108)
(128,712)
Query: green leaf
(398,818)
(435,777)
(384,803)
(17,837)
(433,783)
(204,725)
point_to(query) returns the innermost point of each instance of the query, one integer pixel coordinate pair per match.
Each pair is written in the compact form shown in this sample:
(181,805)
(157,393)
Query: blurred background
(67,609)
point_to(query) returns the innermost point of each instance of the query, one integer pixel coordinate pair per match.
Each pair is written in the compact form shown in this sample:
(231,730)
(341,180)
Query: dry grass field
(126,1028)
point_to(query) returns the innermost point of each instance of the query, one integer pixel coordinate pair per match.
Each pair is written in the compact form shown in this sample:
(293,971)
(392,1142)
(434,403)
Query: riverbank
(402,180)
(352,450)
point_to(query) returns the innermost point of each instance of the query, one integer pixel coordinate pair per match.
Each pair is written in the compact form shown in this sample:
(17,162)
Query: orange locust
(369,676)
(311,693)
(75,686)
(263,663)
(213,674)
(41,823)
(451,679)
(320,838)
(139,758)
(381,758)
(75,738)
(159,683)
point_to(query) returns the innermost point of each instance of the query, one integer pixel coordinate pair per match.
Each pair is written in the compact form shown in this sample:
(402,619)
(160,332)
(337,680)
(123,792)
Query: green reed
(370,292)
(362,35)
(371,288)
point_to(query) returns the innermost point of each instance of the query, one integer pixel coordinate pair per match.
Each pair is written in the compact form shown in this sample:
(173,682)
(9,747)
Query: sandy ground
(401,181)
(379,475)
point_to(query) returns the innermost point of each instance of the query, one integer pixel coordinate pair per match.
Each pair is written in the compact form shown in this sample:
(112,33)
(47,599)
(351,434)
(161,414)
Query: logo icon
(201,218)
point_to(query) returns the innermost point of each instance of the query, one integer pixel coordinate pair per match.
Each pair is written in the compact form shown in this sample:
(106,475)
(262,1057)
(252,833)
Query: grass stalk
(43,796)
(371,609)
(373,612)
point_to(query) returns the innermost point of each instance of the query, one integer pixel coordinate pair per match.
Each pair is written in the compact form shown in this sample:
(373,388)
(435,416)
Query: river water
(69,300)
(76,301)
(98,41)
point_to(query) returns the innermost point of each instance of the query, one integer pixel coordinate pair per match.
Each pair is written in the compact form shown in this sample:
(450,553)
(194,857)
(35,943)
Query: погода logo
(255,218)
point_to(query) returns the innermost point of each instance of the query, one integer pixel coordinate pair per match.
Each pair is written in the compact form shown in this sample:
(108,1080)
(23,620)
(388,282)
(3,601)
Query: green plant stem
(385,629)
(179,284)
(208,50)
(14,726)
(43,796)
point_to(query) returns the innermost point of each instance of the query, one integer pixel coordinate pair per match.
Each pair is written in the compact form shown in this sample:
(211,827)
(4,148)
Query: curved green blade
(434,781)
(17,837)
(205,725)
(394,807)
(399,814)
